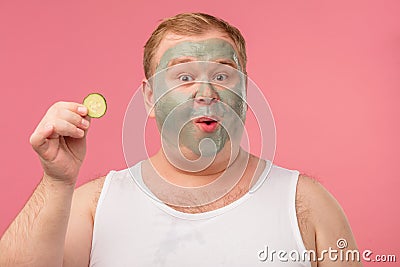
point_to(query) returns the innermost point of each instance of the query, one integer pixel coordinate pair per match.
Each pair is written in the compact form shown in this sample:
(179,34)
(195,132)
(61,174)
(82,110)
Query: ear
(148,97)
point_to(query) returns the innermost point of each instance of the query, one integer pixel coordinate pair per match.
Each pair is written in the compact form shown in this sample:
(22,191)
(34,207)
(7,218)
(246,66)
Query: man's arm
(322,223)
(37,235)
(78,241)
(79,228)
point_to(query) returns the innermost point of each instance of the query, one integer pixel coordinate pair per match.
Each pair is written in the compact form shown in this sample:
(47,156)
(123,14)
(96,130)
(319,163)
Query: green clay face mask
(199,105)
(200,98)
(206,50)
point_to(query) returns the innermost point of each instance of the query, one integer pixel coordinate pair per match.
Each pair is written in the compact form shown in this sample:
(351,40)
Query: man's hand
(37,236)
(60,141)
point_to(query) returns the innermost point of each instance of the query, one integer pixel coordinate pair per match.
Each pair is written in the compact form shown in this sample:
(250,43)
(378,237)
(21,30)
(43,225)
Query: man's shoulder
(91,187)
(307,186)
(318,212)
(313,200)
(314,196)
(95,186)
(88,194)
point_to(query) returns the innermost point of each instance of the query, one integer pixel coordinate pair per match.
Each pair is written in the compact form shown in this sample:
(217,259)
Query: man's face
(199,90)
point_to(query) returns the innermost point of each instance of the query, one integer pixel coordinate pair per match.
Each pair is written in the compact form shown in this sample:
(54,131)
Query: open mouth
(207,124)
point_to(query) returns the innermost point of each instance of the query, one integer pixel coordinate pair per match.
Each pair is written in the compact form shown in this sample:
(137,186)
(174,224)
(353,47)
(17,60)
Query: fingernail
(85,123)
(82,109)
(81,132)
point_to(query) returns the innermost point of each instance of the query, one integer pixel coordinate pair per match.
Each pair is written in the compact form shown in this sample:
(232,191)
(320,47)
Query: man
(110,222)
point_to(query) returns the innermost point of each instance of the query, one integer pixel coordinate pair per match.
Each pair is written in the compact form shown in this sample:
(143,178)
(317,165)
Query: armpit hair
(302,210)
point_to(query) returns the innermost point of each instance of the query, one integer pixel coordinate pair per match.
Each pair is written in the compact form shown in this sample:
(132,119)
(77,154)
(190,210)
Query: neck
(222,163)
(210,189)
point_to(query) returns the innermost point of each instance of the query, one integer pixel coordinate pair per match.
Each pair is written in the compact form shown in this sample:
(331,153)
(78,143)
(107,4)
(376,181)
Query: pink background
(329,69)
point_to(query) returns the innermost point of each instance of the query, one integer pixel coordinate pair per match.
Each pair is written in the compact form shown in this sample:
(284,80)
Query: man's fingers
(62,119)
(72,106)
(39,137)
(82,110)
(87,118)
(65,128)
(54,130)
(74,118)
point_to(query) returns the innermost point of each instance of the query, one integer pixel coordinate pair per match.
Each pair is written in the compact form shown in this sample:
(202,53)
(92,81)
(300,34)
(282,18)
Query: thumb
(39,138)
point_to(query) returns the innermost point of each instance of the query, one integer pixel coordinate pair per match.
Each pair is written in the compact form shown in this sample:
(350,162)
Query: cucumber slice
(96,104)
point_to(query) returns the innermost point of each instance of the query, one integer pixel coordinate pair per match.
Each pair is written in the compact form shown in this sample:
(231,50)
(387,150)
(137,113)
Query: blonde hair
(190,24)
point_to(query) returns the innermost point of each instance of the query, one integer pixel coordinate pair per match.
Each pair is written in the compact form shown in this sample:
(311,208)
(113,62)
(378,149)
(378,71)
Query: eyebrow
(228,62)
(181,60)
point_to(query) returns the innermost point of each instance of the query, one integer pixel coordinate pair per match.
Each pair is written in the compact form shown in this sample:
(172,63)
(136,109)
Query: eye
(185,78)
(220,77)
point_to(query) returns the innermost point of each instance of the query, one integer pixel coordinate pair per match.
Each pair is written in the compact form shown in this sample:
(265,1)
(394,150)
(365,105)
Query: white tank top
(133,229)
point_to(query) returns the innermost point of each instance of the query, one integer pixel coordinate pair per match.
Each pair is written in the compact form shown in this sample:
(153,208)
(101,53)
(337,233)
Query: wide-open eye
(185,78)
(220,77)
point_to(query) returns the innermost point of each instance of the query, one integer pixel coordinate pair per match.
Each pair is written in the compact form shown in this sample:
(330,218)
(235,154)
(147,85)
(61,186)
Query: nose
(206,95)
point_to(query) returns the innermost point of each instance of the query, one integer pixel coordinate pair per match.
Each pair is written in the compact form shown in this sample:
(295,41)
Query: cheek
(234,101)
(167,103)
(163,107)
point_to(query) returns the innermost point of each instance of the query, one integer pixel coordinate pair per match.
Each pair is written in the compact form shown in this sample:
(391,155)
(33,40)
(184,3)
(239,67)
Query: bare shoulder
(89,193)
(317,203)
(322,220)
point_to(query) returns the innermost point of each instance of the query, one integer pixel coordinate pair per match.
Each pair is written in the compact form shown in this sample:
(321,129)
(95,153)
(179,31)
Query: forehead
(212,43)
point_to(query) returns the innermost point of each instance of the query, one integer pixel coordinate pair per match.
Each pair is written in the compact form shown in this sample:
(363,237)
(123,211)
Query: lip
(207,124)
